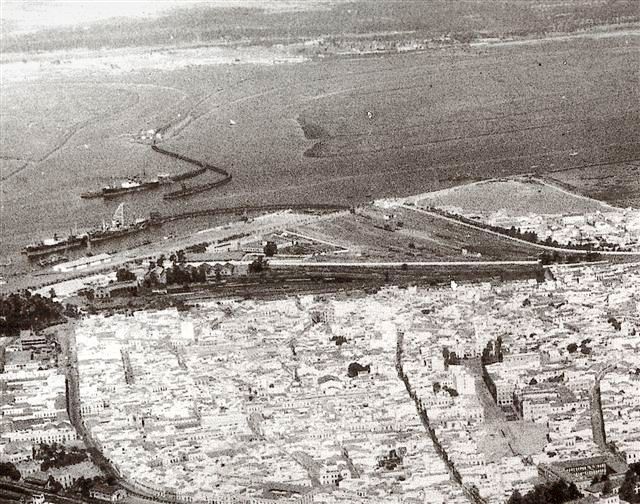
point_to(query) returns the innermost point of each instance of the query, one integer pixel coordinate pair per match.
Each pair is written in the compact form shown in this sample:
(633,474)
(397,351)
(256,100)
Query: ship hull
(44,250)
(114,193)
(91,195)
(118,233)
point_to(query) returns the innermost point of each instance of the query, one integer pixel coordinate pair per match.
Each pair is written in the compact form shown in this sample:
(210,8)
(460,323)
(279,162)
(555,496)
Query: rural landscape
(320,251)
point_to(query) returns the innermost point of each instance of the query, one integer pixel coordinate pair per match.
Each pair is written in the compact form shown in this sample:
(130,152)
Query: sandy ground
(516,197)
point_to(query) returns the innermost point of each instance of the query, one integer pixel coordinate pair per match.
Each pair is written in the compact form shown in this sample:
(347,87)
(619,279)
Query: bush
(270,249)
(355,368)
(452,392)
(257,266)
(8,470)
(124,275)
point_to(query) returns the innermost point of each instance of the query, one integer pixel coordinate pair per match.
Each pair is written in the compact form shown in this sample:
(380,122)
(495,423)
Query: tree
(614,322)
(26,311)
(498,349)
(516,498)
(572,347)
(257,265)
(488,355)
(270,249)
(436,387)
(9,470)
(452,392)
(54,485)
(124,275)
(355,368)
(631,479)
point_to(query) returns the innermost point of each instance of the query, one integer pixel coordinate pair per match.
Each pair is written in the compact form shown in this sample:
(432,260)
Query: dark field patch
(616,183)
(311,130)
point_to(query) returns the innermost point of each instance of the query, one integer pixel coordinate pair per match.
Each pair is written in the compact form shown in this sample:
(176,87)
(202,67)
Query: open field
(360,235)
(438,118)
(475,241)
(516,197)
(421,238)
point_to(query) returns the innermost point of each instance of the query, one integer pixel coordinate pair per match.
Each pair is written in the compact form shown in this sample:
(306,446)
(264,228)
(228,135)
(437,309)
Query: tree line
(24,310)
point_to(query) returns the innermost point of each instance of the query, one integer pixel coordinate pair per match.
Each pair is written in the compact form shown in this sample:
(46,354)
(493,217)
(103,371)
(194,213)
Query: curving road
(519,240)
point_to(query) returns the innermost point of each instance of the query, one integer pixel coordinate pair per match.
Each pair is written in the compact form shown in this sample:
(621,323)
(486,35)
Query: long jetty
(202,167)
(319,207)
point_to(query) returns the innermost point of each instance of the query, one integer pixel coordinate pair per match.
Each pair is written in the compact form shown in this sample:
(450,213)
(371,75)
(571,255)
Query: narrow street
(473,497)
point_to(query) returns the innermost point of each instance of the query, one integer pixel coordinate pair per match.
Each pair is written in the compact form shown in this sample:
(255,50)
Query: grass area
(359,233)
(422,237)
(475,241)
(515,197)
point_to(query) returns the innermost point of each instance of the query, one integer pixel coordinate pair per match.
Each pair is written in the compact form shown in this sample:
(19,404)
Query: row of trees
(547,258)
(26,311)
(56,455)
(185,274)
(532,237)
(84,485)
(556,492)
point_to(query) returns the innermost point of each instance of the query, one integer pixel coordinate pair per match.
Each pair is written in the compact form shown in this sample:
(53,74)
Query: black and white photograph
(320,251)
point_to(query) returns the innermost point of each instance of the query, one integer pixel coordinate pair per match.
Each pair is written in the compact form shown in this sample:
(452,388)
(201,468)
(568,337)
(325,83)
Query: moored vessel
(129,185)
(55,244)
(119,226)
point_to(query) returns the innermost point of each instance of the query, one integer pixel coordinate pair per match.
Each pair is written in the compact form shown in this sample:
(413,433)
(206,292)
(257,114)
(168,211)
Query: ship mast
(118,217)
